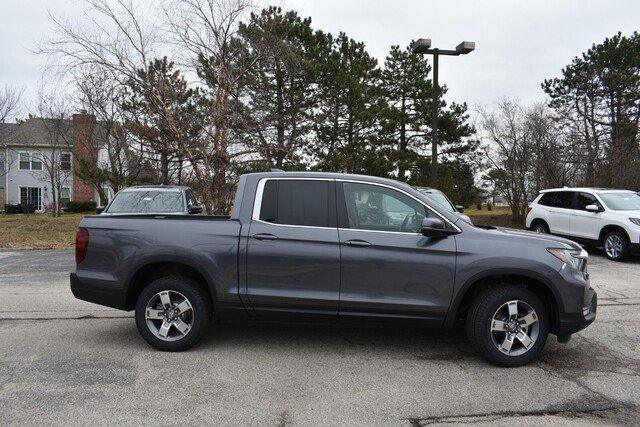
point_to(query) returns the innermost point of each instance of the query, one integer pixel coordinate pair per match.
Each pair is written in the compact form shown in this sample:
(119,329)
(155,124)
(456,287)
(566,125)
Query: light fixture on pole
(423,47)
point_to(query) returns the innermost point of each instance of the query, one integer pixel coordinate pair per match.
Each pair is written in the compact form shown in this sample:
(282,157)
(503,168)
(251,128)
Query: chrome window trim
(257,204)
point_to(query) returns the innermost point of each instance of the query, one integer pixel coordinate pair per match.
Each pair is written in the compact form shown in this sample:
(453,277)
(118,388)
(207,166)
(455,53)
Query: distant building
(30,151)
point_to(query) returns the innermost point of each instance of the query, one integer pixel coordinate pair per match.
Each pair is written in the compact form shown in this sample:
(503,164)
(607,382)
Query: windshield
(621,201)
(148,201)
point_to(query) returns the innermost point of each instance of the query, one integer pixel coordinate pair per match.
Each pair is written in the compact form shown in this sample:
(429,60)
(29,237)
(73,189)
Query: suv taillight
(82,242)
(529,209)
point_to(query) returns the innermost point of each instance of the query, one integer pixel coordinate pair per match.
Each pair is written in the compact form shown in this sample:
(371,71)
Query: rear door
(585,224)
(559,209)
(388,267)
(293,256)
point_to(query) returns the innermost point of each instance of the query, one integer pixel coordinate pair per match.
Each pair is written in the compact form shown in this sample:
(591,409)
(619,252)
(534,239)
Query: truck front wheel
(173,313)
(508,325)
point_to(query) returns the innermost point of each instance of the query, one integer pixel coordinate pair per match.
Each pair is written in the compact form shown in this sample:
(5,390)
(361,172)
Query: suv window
(557,199)
(585,199)
(371,207)
(296,202)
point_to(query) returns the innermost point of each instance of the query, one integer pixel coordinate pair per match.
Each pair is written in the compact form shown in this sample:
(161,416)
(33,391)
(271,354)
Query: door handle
(357,243)
(264,236)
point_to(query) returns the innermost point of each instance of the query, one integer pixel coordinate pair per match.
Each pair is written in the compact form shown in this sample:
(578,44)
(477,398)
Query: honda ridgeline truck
(324,246)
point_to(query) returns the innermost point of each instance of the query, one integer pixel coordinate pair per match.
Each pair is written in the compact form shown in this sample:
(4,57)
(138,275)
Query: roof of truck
(598,189)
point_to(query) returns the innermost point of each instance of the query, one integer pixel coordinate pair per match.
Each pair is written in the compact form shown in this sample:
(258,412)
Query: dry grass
(498,216)
(38,231)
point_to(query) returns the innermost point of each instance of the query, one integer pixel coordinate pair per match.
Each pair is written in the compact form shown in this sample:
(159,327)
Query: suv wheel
(173,313)
(616,246)
(540,227)
(508,325)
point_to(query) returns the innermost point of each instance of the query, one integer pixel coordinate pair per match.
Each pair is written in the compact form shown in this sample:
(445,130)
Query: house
(38,154)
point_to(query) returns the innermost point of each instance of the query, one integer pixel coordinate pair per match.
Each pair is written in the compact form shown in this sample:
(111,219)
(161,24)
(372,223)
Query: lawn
(499,216)
(38,231)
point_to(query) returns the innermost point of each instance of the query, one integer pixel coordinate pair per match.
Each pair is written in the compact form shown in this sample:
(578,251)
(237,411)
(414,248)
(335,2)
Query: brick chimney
(84,130)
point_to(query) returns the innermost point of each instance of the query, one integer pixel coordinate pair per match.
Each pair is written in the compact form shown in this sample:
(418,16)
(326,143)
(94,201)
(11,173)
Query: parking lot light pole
(423,47)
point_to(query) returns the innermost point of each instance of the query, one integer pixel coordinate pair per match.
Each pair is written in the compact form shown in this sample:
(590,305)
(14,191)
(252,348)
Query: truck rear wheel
(173,313)
(508,325)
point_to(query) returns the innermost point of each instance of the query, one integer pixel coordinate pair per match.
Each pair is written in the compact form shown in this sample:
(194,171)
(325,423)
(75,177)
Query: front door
(31,196)
(583,223)
(388,267)
(293,256)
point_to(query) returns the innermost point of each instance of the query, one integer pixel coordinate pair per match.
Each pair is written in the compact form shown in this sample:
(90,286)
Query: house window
(2,167)
(65,196)
(25,161)
(36,162)
(65,161)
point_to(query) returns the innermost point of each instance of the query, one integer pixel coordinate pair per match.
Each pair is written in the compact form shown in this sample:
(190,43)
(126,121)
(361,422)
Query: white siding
(16,178)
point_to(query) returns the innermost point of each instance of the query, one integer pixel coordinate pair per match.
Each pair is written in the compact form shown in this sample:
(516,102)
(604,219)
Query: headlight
(636,221)
(576,259)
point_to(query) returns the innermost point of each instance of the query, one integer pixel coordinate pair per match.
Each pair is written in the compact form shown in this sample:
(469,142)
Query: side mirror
(435,227)
(593,208)
(195,210)
(99,210)
(460,208)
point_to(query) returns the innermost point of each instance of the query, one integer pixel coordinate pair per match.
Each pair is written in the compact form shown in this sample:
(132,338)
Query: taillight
(529,209)
(82,243)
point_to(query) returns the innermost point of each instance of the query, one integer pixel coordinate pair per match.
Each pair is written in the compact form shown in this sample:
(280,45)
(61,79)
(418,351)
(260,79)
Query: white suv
(594,216)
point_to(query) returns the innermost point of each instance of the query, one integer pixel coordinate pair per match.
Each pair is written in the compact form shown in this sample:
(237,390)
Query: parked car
(163,199)
(324,246)
(439,197)
(593,216)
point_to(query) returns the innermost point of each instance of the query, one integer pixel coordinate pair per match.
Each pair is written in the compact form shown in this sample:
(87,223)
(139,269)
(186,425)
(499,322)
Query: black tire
(624,253)
(480,317)
(201,312)
(539,226)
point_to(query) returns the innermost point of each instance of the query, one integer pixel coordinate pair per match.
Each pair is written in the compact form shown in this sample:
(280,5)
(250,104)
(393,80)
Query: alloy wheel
(514,328)
(169,315)
(613,246)
(540,229)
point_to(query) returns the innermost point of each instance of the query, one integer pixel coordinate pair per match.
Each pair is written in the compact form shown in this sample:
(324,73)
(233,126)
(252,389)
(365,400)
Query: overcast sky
(518,43)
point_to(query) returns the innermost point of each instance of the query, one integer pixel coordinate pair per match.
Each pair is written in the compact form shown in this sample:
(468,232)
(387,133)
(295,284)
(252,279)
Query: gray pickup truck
(331,247)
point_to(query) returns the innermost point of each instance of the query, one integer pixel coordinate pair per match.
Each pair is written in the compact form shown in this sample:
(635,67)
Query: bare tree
(121,42)
(56,156)
(509,151)
(117,160)
(9,103)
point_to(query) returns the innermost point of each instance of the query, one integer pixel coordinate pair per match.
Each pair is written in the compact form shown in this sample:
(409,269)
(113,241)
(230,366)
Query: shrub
(80,207)
(489,207)
(19,208)
(479,205)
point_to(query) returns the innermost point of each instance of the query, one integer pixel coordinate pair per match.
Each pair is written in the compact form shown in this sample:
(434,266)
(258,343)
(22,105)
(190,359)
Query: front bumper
(570,324)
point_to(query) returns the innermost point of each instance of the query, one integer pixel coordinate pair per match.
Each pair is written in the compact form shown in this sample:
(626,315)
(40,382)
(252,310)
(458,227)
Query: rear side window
(297,202)
(557,199)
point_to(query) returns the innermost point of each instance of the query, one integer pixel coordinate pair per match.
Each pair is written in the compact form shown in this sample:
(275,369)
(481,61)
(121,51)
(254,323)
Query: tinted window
(585,199)
(371,207)
(291,202)
(148,201)
(557,199)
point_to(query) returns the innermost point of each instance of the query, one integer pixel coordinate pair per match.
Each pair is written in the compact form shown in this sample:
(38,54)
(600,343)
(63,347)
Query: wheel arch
(608,229)
(478,283)
(154,268)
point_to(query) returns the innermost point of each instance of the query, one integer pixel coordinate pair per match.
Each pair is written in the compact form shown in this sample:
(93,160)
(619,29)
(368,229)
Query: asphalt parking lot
(65,361)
